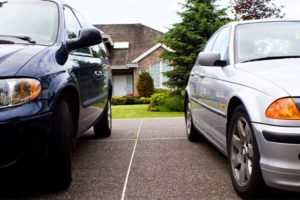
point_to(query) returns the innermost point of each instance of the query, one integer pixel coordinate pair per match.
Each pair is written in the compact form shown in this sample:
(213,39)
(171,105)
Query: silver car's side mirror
(210,59)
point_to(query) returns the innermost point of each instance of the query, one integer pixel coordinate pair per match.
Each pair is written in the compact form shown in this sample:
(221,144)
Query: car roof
(235,23)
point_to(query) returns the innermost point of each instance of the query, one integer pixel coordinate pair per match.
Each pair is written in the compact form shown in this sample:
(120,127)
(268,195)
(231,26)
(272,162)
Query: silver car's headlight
(15,92)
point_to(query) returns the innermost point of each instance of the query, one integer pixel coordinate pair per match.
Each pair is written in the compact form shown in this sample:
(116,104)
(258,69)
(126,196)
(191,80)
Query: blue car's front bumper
(23,142)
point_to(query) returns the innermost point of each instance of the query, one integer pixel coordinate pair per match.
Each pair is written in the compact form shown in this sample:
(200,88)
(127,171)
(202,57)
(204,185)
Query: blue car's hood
(14,57)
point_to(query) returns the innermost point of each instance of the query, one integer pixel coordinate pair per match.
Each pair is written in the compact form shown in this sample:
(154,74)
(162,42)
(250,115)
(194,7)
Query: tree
(1,3)
(145,85)
(256,9)
(200,19)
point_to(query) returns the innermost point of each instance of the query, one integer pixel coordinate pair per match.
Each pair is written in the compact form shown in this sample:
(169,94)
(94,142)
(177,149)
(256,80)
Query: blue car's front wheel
(60,149)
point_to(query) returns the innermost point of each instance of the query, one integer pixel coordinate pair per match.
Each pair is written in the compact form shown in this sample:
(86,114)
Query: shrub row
(128,100)
(167,101)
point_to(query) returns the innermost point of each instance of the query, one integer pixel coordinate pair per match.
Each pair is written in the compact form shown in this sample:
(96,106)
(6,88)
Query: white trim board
(154,48)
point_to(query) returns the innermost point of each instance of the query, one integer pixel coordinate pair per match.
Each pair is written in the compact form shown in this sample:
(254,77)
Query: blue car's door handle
(98,75)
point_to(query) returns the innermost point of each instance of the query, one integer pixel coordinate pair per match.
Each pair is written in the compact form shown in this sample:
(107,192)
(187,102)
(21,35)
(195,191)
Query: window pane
(211,42)
(222,43)
(36,19)
(73,28)
(268,39)
(155,73)
(165,68)
(129,85)
(72,25)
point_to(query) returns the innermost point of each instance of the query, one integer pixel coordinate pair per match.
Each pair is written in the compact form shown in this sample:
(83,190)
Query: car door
(211,90)
(195,89)
(87,70)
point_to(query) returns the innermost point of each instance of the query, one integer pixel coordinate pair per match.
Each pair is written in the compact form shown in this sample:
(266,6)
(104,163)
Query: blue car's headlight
(18,91)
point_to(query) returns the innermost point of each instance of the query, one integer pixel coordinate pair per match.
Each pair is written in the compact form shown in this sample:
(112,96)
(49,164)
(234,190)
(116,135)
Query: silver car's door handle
(197,74)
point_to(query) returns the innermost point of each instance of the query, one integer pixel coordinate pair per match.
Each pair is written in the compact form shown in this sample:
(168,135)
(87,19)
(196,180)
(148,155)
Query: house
(134,49)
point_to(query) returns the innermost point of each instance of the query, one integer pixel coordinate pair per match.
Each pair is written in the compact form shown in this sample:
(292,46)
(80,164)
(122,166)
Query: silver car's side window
(211,42)
(222,42)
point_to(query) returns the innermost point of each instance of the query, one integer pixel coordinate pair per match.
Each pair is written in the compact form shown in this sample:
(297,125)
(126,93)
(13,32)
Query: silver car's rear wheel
(192,133)
(241,152)
(244,156)
(188,119)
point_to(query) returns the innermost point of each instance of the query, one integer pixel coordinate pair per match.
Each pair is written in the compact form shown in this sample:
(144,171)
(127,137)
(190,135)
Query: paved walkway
(146,159)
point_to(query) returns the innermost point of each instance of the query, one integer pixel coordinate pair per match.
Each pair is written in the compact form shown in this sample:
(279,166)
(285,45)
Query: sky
(158,14)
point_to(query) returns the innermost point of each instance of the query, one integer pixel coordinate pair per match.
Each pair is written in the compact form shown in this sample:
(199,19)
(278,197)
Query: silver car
(243,96)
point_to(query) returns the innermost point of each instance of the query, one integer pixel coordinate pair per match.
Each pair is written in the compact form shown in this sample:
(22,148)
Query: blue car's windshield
(267,40)
(37,20)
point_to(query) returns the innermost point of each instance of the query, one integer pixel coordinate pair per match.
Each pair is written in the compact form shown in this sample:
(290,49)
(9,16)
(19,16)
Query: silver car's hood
(285,73)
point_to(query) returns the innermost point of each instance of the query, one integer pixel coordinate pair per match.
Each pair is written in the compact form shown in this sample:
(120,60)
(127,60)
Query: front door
(120,86)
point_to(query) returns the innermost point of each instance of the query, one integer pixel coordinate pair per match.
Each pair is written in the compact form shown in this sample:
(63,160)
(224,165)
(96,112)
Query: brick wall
(145,65)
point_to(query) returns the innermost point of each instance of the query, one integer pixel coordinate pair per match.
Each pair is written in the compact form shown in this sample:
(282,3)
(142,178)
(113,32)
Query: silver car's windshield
(268,40)
(37,20)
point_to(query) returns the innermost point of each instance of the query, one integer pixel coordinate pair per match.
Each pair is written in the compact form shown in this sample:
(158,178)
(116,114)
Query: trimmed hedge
(129,100)
(167,101)
(145,85)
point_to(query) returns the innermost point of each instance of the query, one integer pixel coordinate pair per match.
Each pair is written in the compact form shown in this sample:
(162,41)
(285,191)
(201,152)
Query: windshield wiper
(271,58)
(25,38)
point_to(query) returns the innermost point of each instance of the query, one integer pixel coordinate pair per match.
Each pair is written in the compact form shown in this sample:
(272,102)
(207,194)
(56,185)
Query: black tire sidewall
(102,128)
(60,149)
(255,183)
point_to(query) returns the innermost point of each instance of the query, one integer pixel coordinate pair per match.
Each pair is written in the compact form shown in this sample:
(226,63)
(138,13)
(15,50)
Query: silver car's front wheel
(244,155)
(241,152)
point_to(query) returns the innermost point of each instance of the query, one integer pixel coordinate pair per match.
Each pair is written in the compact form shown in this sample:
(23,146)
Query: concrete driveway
(146,159)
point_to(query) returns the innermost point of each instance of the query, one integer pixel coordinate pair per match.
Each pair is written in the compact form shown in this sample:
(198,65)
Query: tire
(191,131)
(60,150)
(244,156)
(103,128)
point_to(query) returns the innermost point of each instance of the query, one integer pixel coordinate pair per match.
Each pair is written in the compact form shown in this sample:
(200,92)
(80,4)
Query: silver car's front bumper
(280,155)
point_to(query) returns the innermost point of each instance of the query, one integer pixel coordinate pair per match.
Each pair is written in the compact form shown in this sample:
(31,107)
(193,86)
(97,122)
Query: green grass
(140,111)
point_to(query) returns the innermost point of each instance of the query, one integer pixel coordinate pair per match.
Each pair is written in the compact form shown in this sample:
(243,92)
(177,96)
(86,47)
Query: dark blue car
(54,85)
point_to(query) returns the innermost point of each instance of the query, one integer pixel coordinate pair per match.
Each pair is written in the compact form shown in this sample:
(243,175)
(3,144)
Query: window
(222,42)
(73,29)
(72,24)
(211,42)
(268,39)
(156,72)
(38,20)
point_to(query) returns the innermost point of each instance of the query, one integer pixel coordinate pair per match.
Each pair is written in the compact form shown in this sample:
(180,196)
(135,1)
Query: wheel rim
(242,152)
(109,116)
(188,119)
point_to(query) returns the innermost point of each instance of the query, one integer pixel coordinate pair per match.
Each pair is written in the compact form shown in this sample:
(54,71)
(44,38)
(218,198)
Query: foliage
(157,101)
(200,19)
(1,3)
(145,85)
(167,102)
(127,100)
(175,103)
(256,9)
(140,111)
(160,90)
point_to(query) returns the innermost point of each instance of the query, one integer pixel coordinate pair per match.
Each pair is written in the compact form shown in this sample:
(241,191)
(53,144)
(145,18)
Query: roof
(141,38)
(262,21)
(154,48)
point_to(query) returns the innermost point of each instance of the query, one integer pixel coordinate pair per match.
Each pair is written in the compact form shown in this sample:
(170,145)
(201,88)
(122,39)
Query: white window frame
(161,85)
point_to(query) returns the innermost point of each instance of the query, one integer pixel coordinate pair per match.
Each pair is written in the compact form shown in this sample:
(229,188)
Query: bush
(145,85)
(167,101)
(159,90)
(118,100)
(129,100)
(175,103)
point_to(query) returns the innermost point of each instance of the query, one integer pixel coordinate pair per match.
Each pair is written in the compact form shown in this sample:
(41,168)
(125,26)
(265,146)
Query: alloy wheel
(109,115)
(188,119)
(242,152)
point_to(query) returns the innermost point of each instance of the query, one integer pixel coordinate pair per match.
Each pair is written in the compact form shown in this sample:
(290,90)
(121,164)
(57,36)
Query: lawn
(140,111)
